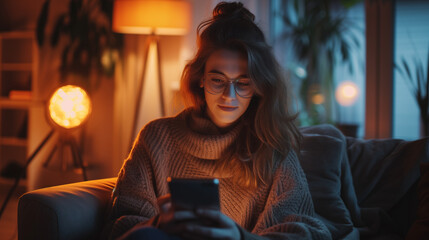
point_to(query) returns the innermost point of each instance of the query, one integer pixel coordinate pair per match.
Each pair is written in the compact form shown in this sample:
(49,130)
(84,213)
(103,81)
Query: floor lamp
(153,18)
(68,109)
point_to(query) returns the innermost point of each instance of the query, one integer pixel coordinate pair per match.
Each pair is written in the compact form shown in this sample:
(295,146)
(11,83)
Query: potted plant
(87,49)
(319,36)
(418,82)
(87,41)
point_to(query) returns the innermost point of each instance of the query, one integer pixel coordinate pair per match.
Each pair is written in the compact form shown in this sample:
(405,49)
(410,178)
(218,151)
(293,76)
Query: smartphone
(190,193)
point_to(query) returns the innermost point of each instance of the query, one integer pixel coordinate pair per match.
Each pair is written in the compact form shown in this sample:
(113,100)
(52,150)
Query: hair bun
(227,10)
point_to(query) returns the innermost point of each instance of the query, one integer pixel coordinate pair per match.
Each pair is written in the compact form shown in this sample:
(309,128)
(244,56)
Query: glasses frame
(233,81)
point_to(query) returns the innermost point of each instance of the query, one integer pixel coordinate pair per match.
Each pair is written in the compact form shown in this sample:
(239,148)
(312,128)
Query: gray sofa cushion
(384,169)
(324,161)
(385,176)
(72,211)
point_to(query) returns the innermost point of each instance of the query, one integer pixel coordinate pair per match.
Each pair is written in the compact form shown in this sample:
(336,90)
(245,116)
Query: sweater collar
(200,137)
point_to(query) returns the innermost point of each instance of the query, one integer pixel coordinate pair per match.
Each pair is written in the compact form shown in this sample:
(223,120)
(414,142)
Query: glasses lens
(243,87)
(216,83)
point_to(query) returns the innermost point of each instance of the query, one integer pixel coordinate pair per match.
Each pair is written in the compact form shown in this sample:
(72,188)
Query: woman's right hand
(171,221)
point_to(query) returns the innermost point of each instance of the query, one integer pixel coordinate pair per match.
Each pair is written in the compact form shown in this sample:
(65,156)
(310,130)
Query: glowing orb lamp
(69,106)
(347,93)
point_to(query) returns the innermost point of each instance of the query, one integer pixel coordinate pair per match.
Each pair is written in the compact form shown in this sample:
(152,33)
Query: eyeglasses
(216,83)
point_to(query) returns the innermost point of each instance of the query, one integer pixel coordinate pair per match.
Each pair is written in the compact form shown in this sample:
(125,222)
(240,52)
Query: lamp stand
(153,41)
(67,141)
(21,174)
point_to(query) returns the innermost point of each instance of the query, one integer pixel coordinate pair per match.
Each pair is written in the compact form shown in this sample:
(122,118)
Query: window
(298,71)
(411,41)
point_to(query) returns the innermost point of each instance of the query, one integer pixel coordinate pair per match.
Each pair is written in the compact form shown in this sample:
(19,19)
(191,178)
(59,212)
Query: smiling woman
(239,129)
(224,102)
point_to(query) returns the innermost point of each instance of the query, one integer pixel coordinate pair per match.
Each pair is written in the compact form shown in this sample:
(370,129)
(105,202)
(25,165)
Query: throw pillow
(384,169)
(385,174)
(322,157)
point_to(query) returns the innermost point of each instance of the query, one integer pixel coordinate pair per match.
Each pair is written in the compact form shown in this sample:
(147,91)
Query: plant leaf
(287,21)
(407,70)
(349,3)
(405,77)
(58,28)
(354,39)
(74,7)
(413,81)
(420,77)
(345,50)
(41,23)
(427,79)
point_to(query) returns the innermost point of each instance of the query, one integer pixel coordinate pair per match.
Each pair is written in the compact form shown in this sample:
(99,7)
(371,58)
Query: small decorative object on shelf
(20,95)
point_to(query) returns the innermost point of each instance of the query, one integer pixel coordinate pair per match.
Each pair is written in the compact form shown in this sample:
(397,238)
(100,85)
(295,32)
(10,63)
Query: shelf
(17,34)
(13,141)
(16,66)
(11,181)
(18,99)
(11,103)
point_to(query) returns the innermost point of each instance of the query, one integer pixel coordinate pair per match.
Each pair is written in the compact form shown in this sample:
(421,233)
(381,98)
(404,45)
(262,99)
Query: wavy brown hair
(269,132)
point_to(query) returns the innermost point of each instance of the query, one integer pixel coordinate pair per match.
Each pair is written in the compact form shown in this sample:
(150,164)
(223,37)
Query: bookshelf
(18,78)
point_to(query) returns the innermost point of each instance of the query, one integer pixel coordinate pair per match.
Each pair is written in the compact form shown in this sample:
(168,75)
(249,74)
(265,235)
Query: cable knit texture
(187,146)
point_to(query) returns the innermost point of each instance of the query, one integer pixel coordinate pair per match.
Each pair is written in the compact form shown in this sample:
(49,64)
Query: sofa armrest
(71,211)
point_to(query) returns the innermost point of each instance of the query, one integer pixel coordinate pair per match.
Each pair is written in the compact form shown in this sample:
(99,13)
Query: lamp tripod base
(67,144)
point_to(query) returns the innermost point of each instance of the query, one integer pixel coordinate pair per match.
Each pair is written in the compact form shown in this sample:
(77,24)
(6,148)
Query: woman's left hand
(222,226)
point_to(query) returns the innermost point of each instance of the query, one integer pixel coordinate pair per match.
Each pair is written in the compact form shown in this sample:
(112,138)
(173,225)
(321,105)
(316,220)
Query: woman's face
(224,105)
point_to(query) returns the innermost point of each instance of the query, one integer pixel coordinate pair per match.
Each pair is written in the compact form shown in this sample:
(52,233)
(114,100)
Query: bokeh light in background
(347,93)
(69,106)
(318,99)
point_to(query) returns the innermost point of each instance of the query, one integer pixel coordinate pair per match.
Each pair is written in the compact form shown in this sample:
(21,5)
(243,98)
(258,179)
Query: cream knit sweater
(186,146)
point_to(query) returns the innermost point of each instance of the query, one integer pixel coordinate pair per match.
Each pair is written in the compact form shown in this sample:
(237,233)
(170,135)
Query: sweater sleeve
(289,211)
(133,200)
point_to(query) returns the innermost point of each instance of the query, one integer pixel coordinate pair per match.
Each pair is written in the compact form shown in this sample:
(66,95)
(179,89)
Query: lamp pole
(23,170)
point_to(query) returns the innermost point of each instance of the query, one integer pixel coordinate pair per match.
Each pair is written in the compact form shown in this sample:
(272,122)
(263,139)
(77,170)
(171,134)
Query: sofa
(361,189)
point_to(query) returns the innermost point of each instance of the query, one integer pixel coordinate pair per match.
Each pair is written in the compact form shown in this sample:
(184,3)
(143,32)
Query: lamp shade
(159,17)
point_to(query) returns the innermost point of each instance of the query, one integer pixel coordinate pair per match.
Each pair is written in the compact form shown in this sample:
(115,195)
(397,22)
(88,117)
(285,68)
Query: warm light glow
(160,17)
(69,106)
(347,93)
(318,98)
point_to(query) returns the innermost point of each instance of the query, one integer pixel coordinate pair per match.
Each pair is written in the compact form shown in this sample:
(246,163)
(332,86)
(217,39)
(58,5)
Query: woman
(238,130)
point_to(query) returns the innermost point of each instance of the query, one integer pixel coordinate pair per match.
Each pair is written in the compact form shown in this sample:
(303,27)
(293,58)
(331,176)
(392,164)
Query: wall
(19,14)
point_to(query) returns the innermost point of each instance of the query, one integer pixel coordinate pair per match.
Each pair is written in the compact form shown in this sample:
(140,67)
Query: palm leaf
(420,77)
(286,20)
(408,81)
(349,3)
(58,28)
(407,70)
(427,80)
(41,23)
